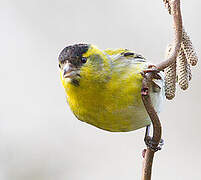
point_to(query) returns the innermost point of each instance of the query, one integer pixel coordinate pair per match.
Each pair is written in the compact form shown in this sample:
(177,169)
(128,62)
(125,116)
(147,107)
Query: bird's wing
(124,57)
(119,54)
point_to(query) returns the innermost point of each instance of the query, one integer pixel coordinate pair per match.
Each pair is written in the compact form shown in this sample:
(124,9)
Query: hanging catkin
(189,50)
(186,57)
(189,72)
(167,5)
(183,76)
(170,77)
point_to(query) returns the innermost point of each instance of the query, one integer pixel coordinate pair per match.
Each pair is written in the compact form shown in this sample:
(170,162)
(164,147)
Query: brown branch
(177,18)
(149,154)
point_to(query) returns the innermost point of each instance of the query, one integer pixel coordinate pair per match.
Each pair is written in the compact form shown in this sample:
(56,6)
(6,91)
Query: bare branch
(149,154)
(176,13)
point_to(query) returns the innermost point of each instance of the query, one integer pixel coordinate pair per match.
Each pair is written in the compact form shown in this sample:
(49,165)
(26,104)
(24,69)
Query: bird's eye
(84,59)
(59,65)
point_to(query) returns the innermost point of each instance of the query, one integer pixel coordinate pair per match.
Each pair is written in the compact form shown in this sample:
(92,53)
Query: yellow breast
(111,102)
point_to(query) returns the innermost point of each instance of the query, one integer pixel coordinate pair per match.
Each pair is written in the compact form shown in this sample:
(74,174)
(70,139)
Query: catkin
(183,76)
(188,49)
(170,77)
(189,71)
(167,5)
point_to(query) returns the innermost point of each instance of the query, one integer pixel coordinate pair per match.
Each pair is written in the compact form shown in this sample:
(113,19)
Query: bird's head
(71,60)
(79,59)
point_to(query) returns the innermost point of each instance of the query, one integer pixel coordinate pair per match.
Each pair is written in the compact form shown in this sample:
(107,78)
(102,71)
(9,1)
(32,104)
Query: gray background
(40,139)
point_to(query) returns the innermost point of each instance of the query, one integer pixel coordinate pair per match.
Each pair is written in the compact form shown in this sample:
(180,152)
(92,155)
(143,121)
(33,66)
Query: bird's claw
(152,144)
(151,69)
(144,91)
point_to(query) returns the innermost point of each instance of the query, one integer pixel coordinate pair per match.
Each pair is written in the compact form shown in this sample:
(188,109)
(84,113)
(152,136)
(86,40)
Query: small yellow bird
(103,88)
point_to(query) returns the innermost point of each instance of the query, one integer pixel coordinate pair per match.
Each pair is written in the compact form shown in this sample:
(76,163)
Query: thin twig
(177,19)
(149,154)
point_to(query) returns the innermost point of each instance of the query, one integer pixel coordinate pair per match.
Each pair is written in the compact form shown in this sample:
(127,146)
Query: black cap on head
(73,53)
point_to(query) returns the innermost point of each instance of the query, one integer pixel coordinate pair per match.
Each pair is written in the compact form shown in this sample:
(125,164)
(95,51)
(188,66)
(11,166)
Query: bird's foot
(144,91)
(152,144)
(144,152)
(151,69)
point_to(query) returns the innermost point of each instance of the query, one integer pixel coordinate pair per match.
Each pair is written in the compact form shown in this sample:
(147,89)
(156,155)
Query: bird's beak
(68,71)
